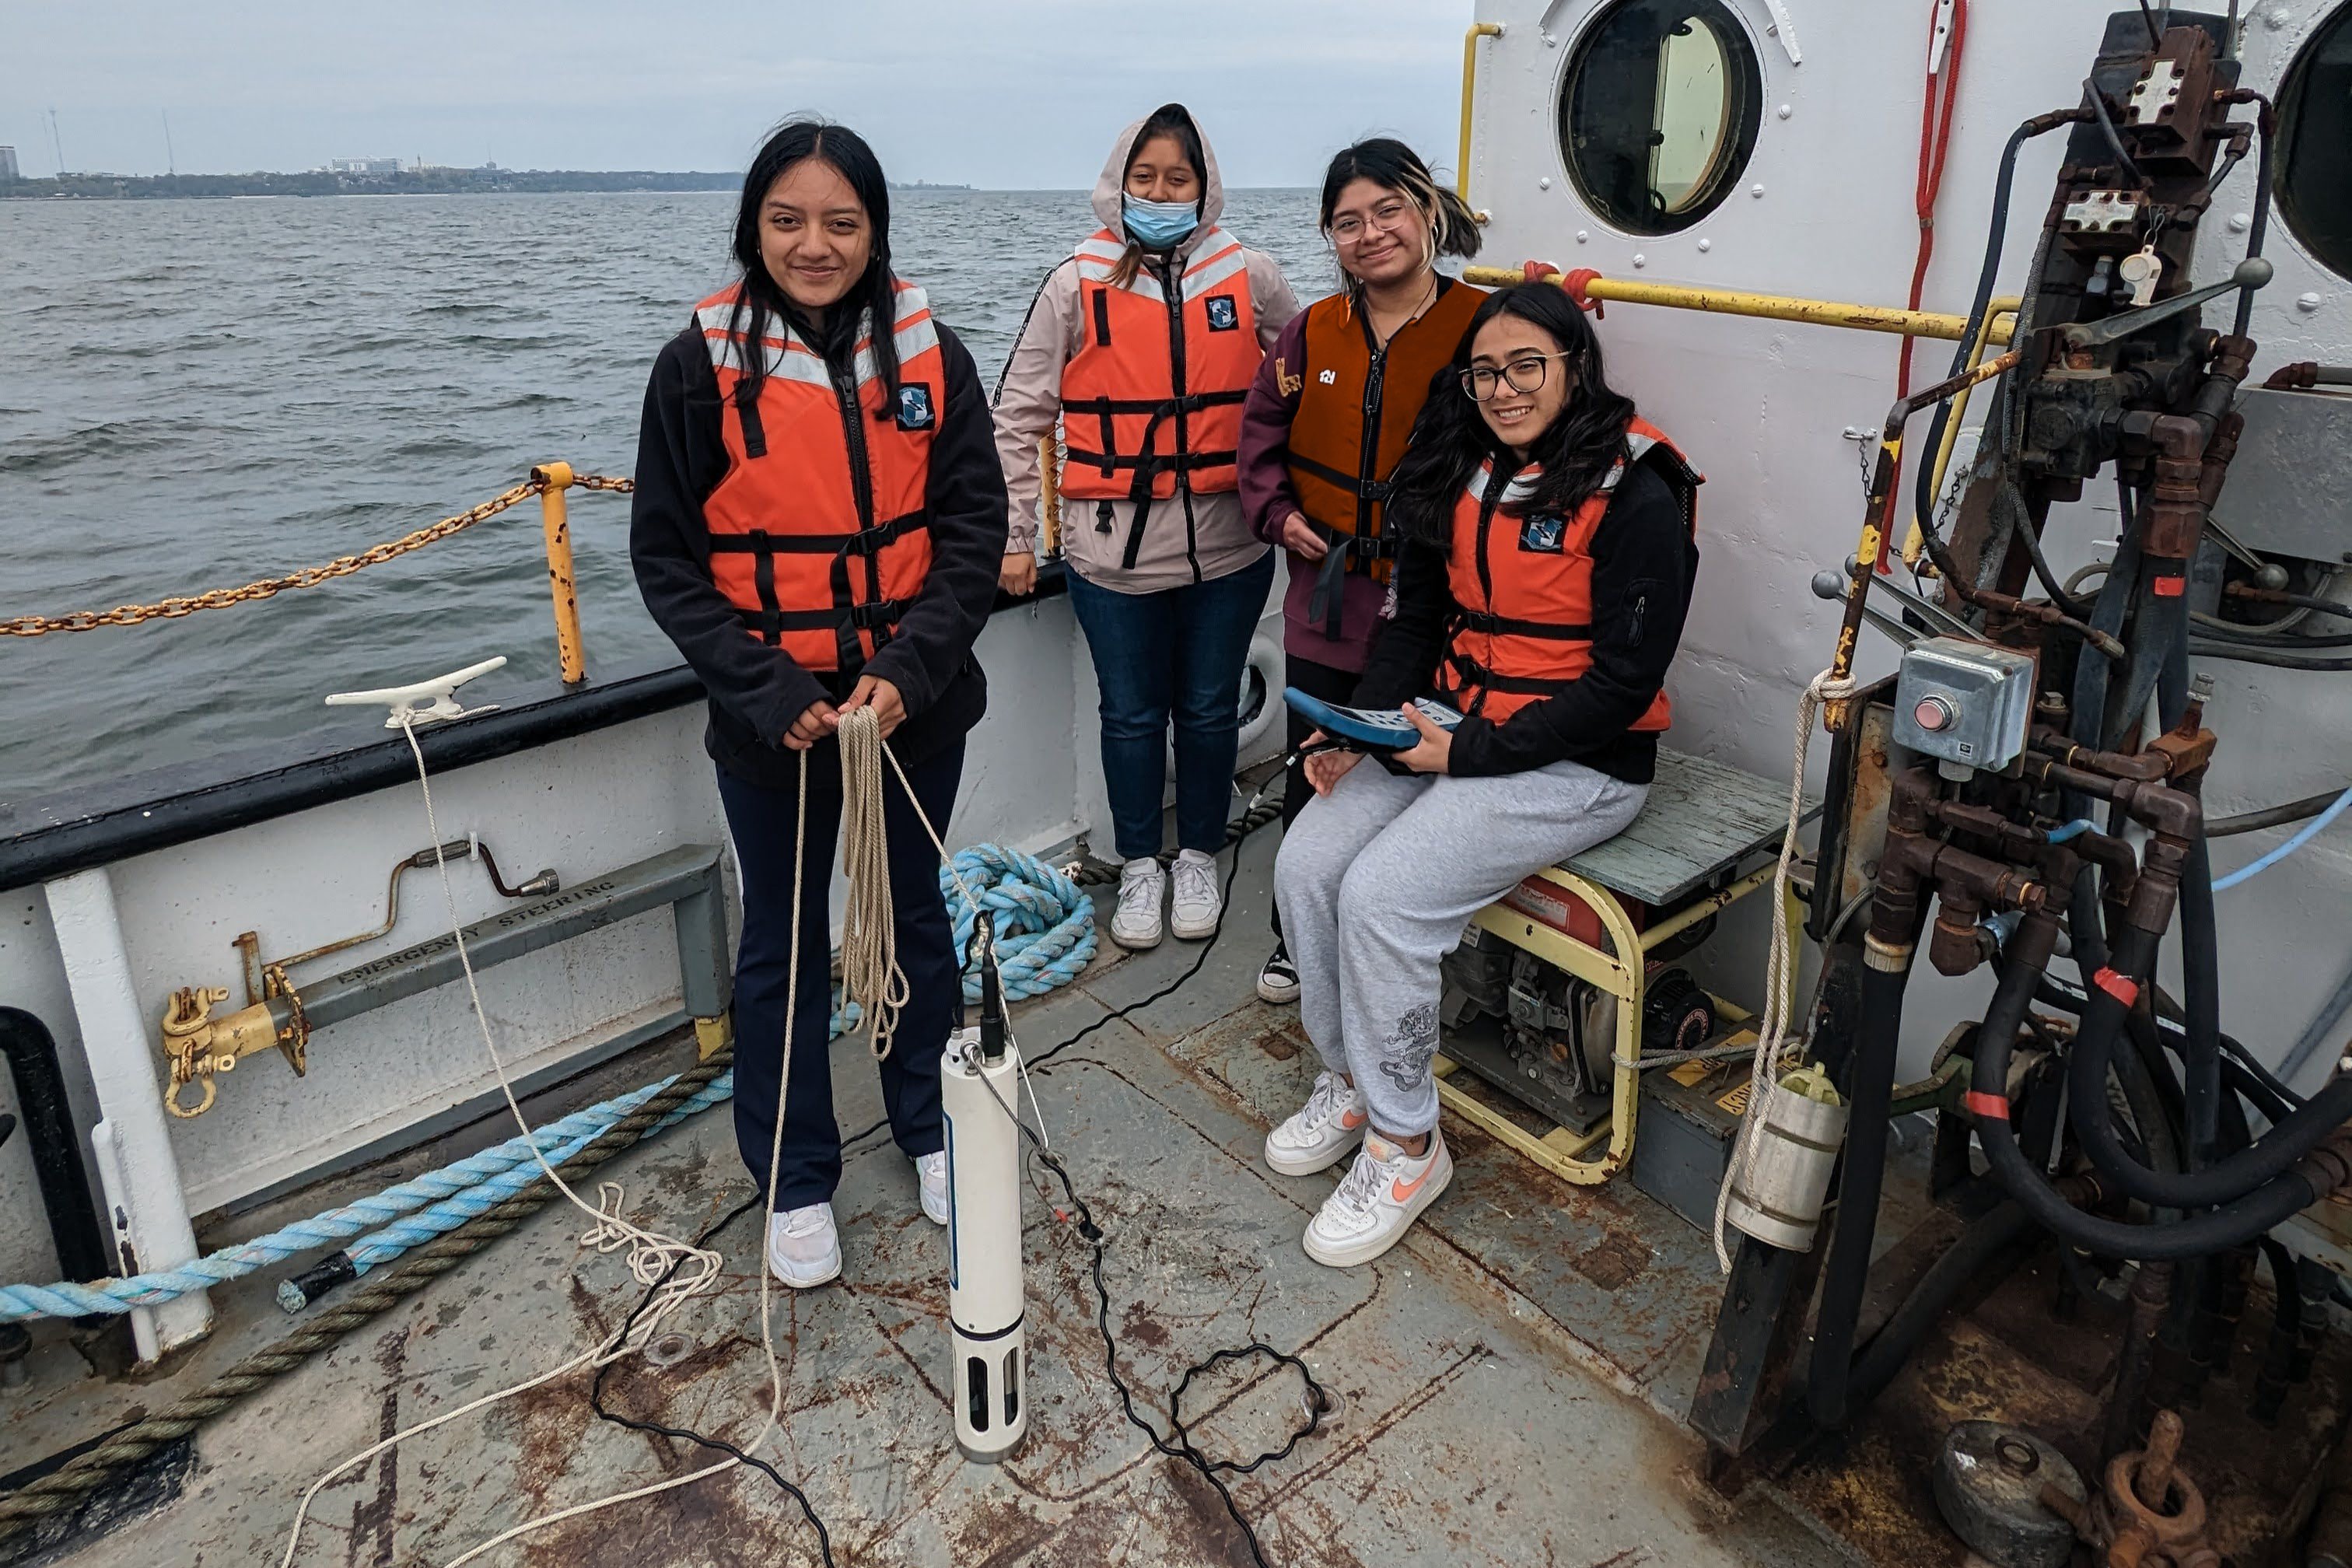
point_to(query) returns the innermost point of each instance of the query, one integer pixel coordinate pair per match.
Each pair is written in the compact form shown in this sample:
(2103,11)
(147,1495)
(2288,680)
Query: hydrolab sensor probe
(978,1089)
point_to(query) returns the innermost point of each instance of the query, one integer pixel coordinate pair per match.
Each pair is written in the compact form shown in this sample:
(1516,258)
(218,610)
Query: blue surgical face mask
(1158,226)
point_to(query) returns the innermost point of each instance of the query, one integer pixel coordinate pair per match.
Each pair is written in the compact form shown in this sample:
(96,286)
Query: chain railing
(548,483)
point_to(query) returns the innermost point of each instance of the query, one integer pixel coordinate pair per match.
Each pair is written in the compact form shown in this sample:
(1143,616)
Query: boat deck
(1512,1377)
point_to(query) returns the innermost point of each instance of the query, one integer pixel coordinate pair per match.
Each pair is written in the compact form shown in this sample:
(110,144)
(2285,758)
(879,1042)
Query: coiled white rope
(1779,967)
(870,975)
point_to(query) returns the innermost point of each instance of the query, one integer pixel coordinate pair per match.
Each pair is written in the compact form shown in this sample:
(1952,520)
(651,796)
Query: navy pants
(1175,655)
(762,823)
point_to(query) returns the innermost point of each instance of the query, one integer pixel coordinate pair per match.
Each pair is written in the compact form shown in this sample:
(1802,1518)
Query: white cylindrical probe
(987,1381)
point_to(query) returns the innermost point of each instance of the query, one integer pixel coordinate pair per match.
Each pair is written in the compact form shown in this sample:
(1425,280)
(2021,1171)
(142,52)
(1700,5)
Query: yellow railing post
(1477,30)
(556,521)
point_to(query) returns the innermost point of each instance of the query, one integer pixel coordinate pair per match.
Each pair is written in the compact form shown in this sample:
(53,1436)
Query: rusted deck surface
(1506,1375)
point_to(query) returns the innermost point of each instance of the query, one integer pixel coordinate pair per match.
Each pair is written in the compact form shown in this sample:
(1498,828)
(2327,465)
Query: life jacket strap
(1487,625)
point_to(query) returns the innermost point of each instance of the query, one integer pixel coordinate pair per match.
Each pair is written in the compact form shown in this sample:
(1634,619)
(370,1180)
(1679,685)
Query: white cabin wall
(1761,405)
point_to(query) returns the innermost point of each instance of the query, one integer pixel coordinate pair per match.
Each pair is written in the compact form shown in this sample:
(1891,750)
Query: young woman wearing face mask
(818,523)
(1143,345)
(1548,552)
(1327,421)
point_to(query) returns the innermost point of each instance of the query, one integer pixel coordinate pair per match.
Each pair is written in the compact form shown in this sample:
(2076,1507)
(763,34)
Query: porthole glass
(2314,189)
(1658,112)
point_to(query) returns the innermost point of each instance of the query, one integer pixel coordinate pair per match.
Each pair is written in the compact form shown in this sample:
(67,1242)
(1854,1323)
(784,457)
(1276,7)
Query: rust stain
(373,1521)
(1617,1259)
(1279,1044)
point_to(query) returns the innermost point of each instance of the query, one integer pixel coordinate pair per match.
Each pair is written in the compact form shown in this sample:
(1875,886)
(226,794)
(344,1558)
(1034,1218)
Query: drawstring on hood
(1110,202)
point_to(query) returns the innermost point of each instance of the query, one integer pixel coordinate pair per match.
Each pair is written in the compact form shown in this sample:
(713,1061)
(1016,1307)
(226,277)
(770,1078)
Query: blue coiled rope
(1044,923)
(1045,938)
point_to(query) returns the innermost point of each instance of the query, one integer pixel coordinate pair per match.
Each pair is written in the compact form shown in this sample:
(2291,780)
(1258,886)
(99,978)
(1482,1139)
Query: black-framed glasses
(1524,372)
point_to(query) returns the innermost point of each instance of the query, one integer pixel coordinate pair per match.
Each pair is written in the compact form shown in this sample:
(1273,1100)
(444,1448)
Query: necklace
(1428,296)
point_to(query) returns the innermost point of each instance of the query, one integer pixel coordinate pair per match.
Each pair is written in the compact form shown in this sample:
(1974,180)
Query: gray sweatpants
(1376,881)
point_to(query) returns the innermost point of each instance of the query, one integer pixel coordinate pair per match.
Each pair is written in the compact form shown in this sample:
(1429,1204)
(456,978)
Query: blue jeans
(1175,655)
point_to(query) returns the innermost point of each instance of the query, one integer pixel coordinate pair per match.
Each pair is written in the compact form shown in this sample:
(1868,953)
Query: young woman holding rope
(818,525)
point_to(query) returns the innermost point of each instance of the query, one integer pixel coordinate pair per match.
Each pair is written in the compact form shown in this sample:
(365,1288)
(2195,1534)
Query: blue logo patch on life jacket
(1224,316)
(1543,535)
(914,407)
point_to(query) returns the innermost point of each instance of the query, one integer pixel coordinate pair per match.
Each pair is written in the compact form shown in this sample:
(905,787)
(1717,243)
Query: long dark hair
(1167,120)
(1450,439)
(1394,167)
(845,152)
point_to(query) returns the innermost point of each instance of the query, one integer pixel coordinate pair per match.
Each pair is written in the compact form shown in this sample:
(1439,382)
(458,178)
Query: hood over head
(1112,184)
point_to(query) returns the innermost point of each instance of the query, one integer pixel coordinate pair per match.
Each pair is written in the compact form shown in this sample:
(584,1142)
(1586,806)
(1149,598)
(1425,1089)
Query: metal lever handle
(2250,273)
(1946,623)
(1831,586)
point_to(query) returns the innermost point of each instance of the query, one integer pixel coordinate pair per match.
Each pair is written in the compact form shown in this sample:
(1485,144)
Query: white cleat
(1196,906)
(931,1174)
(1331,1123)
(803,1248)
(1377,1201)
(1141,885)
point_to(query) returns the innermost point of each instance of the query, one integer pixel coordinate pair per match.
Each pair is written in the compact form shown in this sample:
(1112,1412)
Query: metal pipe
(556,523)
(1769,307)
(32,1053)
(1683,920)
(1470,37)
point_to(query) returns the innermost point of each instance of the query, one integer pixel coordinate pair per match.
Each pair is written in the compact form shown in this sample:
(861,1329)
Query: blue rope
(1044,923)
(1045,936)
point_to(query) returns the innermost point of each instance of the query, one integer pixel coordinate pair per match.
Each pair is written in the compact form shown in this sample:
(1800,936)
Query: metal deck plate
(1703,817)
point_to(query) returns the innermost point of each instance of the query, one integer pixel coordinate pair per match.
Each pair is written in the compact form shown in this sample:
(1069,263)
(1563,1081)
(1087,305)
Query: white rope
(1779,968)
(870,975)
(651,1254)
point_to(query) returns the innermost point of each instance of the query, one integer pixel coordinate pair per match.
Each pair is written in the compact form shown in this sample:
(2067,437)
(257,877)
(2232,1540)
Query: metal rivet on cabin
(1581,237)
(1640,259)
(2241,221)
(2306,302)
(1786,110)
(1706,245)
(2278,17)
(1757,189)
(1544,184)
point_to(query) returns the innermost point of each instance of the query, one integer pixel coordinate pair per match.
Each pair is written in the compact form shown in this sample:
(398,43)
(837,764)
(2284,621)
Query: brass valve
(198,1045)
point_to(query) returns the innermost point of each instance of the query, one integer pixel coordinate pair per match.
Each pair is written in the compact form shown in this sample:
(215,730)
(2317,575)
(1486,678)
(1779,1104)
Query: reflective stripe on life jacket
(820,530)
(1357,399)
(1153,397)
(1524,587)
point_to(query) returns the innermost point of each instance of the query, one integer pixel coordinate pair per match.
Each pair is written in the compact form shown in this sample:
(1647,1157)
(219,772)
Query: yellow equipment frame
(1560,1150)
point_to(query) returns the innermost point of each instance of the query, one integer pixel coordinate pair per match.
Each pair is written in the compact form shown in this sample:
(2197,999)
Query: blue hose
(2310,831)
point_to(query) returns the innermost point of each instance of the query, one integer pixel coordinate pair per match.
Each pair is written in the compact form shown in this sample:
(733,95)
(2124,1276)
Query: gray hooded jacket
(1029,401)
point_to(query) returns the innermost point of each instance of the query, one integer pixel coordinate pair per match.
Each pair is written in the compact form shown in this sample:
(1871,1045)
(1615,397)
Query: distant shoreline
(425,182)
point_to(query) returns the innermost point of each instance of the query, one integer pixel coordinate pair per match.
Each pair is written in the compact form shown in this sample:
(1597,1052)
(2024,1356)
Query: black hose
(2252,1081)
(2247,653)
(2213,628)
(2200,942)
(1986,1239)
(2194,1237)
(2265,1162)
(2265,126)
(2271,816)
(56,1145)
(1869,1092)
(2098,103)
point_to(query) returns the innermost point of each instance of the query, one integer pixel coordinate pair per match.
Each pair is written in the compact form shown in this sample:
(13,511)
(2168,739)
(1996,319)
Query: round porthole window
(1658,112)
(2314,189)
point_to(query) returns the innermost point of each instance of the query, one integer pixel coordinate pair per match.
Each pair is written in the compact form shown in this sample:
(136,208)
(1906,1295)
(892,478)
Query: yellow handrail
(1477,31)
(1771,307)
(1912,544)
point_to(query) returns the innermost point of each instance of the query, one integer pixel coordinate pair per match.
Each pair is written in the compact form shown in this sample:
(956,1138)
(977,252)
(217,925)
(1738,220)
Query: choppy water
(194,395)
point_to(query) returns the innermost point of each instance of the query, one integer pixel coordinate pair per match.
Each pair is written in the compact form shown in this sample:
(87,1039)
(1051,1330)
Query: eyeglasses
(1388,218)
(1524,373)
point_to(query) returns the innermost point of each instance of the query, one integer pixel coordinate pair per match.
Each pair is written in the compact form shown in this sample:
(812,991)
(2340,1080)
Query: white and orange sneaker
(1383,1193)
(1329,1124)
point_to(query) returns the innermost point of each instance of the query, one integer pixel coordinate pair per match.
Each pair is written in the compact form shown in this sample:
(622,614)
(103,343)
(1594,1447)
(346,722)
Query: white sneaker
(1196,907)
(931,1174)
(804,1249)
(1377,1199)
(1329,1124)
(1141,885)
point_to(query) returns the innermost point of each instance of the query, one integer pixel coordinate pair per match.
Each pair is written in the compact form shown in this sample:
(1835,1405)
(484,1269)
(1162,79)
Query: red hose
(1935,144)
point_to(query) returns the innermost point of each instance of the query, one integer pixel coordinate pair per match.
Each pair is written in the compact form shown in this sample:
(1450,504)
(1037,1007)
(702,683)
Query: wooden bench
(1703,821)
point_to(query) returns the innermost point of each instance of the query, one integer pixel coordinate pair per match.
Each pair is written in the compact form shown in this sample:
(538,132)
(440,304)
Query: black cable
(2271,816)
(2265,126)
(686,1434)
(2098,103)
(2155,39)
(2213,628)
(2248,653)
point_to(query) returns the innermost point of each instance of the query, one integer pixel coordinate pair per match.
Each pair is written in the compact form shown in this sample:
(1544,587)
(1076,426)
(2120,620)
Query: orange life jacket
(1357,401)
(1523,626)
(820,531)
(1152,400)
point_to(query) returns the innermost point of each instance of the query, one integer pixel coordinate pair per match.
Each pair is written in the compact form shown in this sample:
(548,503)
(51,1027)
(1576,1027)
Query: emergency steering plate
(1964,703)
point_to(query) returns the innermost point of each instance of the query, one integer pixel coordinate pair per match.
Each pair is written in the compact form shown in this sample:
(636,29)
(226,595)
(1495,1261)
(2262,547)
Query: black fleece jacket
(1643,566)
(756,691)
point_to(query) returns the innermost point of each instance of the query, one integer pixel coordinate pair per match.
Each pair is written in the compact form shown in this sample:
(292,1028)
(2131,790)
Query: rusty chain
(306,577)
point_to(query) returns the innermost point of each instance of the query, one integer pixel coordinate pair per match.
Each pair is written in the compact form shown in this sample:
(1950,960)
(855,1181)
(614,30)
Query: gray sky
(1014,93)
